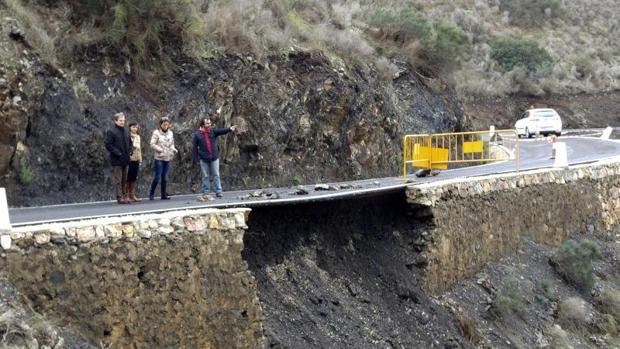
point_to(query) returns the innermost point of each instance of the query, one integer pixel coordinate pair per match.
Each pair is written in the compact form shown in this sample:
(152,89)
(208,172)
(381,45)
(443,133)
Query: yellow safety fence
(447,150)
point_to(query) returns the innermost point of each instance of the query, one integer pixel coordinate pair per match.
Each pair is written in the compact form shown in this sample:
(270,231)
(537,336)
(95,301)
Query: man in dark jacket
(118,143)
(206,152)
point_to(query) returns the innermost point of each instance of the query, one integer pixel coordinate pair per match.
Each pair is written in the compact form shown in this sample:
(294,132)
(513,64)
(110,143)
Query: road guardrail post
(5,223)
(561,159)
(607,133)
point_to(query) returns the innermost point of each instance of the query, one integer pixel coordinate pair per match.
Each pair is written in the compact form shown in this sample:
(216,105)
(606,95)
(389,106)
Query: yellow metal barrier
(439,151)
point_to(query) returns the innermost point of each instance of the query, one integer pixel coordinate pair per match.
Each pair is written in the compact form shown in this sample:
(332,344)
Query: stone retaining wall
(169,280)
(475,221)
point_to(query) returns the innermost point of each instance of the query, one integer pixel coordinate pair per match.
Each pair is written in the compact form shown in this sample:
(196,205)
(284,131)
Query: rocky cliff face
(300,115)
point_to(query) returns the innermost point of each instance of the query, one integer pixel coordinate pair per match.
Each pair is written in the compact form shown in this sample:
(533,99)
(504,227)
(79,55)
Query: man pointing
(205,151)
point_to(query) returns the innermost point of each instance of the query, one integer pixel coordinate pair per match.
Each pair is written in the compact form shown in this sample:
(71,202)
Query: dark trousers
(120,179)
(132,173)
(161,171)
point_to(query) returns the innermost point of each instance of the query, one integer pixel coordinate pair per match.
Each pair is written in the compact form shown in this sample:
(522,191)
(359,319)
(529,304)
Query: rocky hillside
(300,114)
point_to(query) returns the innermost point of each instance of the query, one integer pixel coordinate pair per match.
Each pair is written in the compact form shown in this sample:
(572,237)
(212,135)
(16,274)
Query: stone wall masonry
(170,280)
(475,221)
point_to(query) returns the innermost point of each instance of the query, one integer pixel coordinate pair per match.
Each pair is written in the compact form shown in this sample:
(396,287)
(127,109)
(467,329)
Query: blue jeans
(161,171)
(212,169)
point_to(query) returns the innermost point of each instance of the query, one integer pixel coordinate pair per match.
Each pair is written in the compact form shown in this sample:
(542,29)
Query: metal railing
(450,150)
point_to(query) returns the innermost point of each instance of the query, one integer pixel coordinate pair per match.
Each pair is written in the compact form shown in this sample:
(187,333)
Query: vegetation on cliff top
(465,39)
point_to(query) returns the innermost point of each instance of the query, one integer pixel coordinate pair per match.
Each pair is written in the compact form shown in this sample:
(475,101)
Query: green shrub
(25,175)
(407,24)
(438,44)
(296,181)
(548,292)
(509,301)
(449,45)
(574,262)
(512,53)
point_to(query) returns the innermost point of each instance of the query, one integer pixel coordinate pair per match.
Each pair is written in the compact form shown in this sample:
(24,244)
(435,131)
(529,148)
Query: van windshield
(546,114)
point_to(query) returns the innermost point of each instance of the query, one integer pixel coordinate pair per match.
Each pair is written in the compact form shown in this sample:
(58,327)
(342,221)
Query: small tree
(512,53)
(574,262)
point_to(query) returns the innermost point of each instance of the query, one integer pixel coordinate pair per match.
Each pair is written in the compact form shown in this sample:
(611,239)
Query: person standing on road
(162,142)
(205,151)
(118,143)
(135,159)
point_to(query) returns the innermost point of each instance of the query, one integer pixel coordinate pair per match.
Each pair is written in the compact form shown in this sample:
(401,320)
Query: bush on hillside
(405,25)
(531,13)
(449,45)
(573,313)
(574,262)
(512,53)
(610,303)
(439,44)
(584,66)
(509,301)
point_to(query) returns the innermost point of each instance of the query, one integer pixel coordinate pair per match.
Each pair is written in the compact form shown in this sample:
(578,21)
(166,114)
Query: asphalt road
(534,154)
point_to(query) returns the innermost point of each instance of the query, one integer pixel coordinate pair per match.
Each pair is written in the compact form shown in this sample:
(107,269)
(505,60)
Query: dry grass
(386,69)
(41,38)
(573,313)
(559,338)
(610,303)
(469,329)
(19,330)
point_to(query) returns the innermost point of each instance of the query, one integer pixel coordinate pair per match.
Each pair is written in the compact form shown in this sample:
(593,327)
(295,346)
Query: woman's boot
(132,192)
